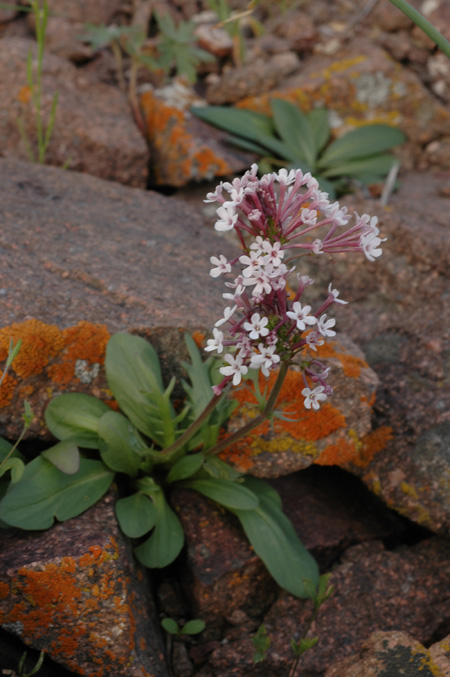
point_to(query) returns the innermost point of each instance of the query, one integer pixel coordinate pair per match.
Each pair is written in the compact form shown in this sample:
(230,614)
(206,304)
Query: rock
(390,18)
(298,29)
(439,73)
(183,148)
(337,429)
(438,153)
(400,590)
(215,40)
(62,38)
(223,579)
(251,79)
(362,84)
(93,121)
(76,593)
(89,258)
(87,11)
(398,313)
(390,653)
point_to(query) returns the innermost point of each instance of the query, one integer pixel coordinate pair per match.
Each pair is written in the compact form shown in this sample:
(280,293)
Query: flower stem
(254,423)
(425,25)
(167,454)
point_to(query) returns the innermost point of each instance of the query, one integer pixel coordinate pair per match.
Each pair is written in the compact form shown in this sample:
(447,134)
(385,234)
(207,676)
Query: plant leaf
(16,465)
(294,128)
(134,375)
(228,494)
(170,625)
(359,143)
(167,539)
(44,492)
(245,123)
(318,120)
(193,627)
(185,467)
(65,456)
(118,443)
(377,164)
(75,416)
(136,515)
(275,541)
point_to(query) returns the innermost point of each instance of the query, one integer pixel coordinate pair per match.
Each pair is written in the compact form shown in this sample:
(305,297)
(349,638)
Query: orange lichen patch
(85,341)
(351,365)
(343,451)
(369,402)
(372,444)
(40,343)
(7,390)
(183,157)
(297,435)
(199,338)
(24,94)
(4,590)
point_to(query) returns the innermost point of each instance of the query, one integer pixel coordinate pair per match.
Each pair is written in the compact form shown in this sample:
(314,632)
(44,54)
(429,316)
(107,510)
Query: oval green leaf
(318,119)
(167,539)
(118,443)
(361,142)
(75,416)
(44,492)
(295,130)
(193,627)
(170,625)
(65,456)
(185,467)
(136,515)
(377,164)
(228,494)
(275,541)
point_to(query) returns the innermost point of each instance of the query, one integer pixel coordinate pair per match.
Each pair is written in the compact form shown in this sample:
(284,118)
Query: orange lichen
(24,94)
(372,444)
(306,426)
(7,390)
(40,343)
(356,452)
(340,453)
(4,590)
(183,157)
(199,338)
(85,341)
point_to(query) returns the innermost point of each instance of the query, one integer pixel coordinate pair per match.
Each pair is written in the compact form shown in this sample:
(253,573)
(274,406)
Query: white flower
(370,244)
(314,339)
(227,217)
(261,282)
(254,215)
(257,326)
(323,325)
(340,216)
(273,252)
(308,217)
(300,315)
(317,247)
(236,368)
(252,262)
(265,359)
(216,343)
(216,196)
(222,265)
(283,177)
(314,397)
(335,294)
(227,313)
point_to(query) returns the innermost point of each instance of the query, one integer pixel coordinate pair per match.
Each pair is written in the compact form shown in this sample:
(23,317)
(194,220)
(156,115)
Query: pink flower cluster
(278,212)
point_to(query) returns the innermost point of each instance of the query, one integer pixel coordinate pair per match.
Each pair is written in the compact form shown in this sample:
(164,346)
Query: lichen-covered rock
(76,593)
(392,653)
(183,148)
(94,130)
(362,84)
(334,433)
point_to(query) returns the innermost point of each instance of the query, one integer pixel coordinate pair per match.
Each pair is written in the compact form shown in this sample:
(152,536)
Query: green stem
(254,423)
(425,25)
(168,453)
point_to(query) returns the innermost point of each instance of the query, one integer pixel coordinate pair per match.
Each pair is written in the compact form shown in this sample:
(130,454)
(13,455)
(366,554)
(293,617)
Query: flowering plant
(160,448)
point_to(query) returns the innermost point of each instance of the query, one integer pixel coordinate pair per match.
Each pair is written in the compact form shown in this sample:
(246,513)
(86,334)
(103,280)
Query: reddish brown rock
(88,258)
(227,584)
(390,653)
(251,79)
(93,128)
(76,593)
(373,588)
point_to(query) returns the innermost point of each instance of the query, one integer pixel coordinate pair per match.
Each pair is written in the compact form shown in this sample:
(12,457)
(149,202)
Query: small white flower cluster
(279,211)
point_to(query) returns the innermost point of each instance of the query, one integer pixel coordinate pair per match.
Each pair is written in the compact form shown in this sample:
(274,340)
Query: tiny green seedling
(190,628)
